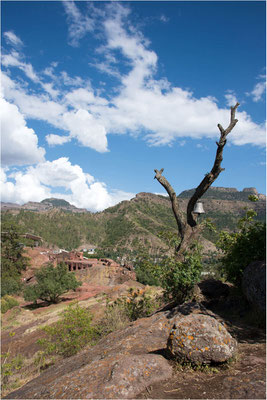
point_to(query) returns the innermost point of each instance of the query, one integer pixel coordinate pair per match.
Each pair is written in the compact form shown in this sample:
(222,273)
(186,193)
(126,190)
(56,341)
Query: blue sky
(96,95)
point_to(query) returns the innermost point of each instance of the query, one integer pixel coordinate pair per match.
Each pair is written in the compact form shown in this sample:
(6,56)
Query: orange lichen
(190,337)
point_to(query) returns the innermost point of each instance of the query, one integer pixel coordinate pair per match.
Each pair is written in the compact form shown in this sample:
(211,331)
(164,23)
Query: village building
(76,261)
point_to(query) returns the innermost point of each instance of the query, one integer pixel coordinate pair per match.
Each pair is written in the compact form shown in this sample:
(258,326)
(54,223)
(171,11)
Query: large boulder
(118,367)
(254,284)
(200,339)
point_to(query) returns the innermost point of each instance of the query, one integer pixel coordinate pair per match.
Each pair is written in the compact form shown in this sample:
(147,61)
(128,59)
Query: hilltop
(124,229)
(44,205)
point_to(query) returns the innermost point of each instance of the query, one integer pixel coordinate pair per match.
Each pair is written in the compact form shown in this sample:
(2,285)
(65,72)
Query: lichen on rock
(200,339)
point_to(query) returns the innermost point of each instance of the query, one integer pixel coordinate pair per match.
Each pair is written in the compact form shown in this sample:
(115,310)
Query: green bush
(52,282)
(178,278)
(8,302)
(242,247)
(10,284)
(145,275)
(71,333)
(9,367)
(138,303)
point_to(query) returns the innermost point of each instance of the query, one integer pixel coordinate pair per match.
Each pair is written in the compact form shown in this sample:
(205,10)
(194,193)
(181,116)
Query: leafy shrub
(8,302)
(70,334)
(114,318)
(52,282)
(136,304)
(145,275)
(242,247)
(10,284)
(139,304)
(178,278)
(9,366)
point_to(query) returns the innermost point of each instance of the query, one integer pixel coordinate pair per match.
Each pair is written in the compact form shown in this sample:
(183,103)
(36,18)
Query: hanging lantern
(198,209)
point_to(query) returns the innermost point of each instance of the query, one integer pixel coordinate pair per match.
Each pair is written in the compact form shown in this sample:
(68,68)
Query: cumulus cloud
(141,104)
(54,140)
(83,126)
(80,188)
(19,144)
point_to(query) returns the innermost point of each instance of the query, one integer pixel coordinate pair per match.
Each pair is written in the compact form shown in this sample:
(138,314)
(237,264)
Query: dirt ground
(243,378)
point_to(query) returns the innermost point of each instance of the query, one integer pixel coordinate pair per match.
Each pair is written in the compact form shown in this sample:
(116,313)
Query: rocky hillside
(43,206)
(130,225)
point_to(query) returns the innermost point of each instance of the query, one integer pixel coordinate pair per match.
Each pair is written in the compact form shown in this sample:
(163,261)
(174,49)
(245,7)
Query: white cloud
(81,189)
(84,98)
(12,39)
(258,91)
(48,87)
(231,99)
(13,60)
(79,24)
(69,81)
(86,129)
(141,104)
(19,144)
(54,140)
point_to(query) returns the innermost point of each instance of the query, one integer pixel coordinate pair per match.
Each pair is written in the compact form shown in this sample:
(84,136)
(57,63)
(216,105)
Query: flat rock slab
(119,366)
(115,377)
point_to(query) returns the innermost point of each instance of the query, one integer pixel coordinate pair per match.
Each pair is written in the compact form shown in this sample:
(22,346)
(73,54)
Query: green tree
(52,282)
(145,268)
(179,277)
(12,260)
(242,247)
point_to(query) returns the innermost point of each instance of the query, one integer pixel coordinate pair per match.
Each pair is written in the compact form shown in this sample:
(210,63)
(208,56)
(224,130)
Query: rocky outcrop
(200,339)
(125,362)
(254,284)
(119,366)
(113,377)
(250,190)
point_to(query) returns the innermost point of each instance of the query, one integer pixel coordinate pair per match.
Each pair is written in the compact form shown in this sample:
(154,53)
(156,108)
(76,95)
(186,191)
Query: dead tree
(188,228)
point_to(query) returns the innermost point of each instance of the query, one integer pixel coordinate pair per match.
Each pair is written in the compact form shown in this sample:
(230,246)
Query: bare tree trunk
(188,230)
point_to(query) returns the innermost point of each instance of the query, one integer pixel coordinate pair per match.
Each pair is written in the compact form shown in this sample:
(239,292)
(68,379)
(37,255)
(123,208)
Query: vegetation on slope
(122,229)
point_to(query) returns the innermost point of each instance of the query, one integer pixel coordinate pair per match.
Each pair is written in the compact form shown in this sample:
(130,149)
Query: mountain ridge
(217,192)
(129,226)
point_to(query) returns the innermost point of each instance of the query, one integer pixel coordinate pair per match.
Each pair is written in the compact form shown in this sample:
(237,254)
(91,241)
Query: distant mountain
(224,193)
(128,226)
(56,202)
(44,205)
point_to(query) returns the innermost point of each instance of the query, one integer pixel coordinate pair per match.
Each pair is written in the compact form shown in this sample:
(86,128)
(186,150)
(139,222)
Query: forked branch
(175,207)
(204,184)
(215,171)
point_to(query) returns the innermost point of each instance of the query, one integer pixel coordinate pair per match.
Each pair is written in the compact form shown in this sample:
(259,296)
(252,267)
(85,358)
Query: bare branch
(172,195)
(215,171)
